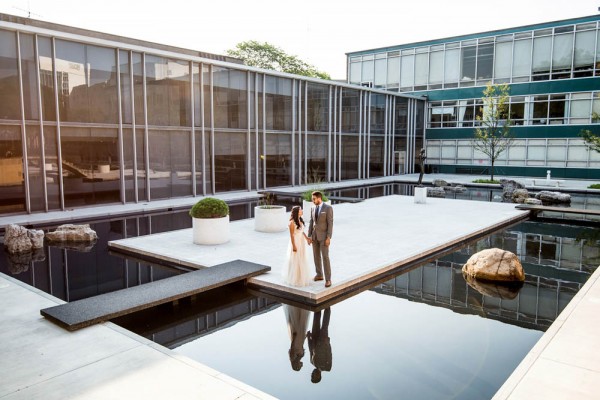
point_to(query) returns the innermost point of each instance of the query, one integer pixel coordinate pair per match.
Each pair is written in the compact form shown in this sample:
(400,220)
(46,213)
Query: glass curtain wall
(317,109)
(350,130)
(12,197)
(562,52)
(377,135)
(230,128)
(276,156)
(109,125)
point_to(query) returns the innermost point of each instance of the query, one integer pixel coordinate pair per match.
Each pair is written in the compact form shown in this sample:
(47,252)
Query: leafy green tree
(267,56)
(592,140)
(493,135)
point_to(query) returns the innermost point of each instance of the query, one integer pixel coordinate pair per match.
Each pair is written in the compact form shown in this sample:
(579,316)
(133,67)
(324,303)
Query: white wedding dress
(296,270)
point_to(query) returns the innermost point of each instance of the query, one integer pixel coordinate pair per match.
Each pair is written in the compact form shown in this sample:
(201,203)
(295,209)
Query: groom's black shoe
(318,278)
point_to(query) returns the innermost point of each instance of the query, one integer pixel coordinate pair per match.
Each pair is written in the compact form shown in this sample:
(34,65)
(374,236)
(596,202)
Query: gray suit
(319,229)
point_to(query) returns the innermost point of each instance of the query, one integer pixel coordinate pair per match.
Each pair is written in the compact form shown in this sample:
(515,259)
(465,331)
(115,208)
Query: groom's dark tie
(317,212)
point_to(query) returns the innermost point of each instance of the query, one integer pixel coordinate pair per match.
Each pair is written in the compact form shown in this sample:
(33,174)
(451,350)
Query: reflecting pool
(419,333)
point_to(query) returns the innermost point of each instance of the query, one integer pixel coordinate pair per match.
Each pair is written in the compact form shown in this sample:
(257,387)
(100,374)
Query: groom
(319,233)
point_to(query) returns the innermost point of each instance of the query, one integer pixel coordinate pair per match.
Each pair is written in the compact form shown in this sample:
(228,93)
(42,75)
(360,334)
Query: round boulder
(439,183)
(520,196)
(494,265)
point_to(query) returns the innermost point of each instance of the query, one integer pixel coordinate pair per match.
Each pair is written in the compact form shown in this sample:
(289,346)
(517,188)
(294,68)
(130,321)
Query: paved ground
(42,361)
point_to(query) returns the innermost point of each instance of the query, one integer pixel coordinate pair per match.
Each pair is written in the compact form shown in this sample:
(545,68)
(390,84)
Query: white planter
(420,195)
(306,207)
(272,219)
(103,168)
(211,230)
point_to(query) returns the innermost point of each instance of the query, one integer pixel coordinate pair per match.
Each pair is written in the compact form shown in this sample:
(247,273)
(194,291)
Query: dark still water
(376,347)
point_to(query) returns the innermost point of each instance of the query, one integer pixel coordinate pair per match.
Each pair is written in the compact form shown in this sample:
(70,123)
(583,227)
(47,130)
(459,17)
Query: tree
(493,135)
(267,56)
(592,141)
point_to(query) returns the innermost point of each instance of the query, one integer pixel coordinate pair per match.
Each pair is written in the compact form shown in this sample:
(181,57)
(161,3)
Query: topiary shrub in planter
(210,221)
(269,217)
(307,203)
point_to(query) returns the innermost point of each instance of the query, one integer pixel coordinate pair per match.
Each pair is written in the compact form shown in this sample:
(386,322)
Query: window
(562,56)
(540,110)
(583,63)
(9,82)
(421,71)
(407,72)
(467,76)
(485,63)
(542,47)
(393,71)
(355,72)
(517,110)
(521,67)
(380,72)
(436,68)
(449,114)
(368,71)
(466,113)
(556,111)
(435,115)
(451,67)
(580,108)
(503,62)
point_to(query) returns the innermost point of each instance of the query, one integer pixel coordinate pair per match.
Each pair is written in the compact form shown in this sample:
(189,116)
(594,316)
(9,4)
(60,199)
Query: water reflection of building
(557,262)
(441,284)
(108,119)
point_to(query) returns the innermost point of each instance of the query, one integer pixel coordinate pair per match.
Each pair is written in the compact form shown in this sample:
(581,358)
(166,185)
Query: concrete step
(81,313)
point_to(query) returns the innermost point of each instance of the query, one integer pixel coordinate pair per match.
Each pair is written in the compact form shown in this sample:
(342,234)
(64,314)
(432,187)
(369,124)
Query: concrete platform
(42,361)
(369,239)
(93,310)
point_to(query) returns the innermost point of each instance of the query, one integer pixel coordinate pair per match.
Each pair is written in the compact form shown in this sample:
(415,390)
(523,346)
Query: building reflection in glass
(106,125)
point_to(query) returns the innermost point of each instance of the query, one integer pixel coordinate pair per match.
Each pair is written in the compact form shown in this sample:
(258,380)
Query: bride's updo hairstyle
(296,217)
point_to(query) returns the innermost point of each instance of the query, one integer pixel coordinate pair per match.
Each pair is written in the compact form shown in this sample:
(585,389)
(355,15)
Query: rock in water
(549,197)
(501,290)
(72,233)
(508,187)
(494,265)
(436,192)
(520,196)
(533,202)
(18,239)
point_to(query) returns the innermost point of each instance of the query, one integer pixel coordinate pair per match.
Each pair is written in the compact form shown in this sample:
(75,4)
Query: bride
(296,271)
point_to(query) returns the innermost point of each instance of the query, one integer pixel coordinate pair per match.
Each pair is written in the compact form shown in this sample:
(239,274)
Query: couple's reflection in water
(319,344)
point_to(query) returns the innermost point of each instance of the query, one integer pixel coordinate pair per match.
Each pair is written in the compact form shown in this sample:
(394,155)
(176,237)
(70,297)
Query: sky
(320,32)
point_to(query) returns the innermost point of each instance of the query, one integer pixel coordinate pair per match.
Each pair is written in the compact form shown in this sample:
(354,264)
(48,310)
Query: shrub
(307,195)
(209,208)
(594,186)
(486,181)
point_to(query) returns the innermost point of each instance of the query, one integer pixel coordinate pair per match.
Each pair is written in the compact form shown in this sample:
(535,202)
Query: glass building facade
(89,118)
(553,70)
